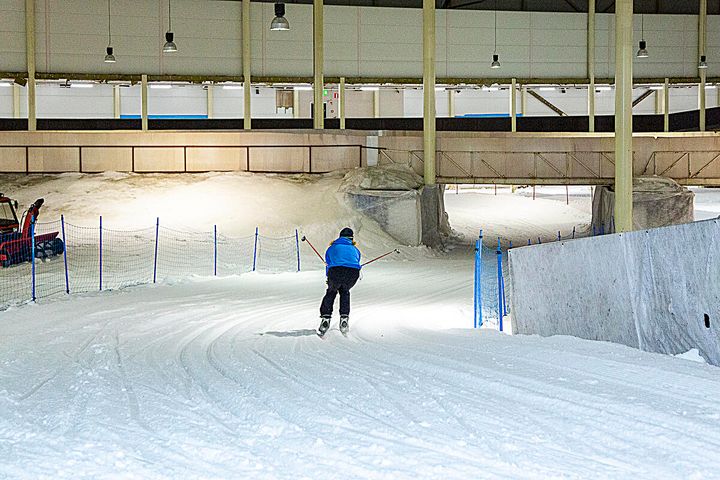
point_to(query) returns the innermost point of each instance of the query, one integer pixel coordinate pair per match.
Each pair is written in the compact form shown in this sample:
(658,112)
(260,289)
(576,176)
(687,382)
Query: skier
(343,270)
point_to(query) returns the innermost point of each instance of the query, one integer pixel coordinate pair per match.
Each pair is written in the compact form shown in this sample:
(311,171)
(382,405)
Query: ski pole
(304,239)
(381,256)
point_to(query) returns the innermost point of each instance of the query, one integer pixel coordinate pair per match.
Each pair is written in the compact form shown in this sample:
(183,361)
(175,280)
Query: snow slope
(224,378)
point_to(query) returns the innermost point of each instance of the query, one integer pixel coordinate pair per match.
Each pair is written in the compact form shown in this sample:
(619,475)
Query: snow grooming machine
(16,243)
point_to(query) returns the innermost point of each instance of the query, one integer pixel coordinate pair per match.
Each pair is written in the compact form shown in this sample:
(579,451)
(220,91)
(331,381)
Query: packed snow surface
(225,377)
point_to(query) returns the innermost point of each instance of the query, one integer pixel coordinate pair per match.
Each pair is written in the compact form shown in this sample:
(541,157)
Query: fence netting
(65,258)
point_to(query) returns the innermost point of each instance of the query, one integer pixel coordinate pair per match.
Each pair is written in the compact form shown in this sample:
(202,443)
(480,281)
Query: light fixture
(303,88)
(109,57)
(368,88)
(279,23)
(82,85)
(495,58)
(160,86)
(169,46)
(5,84)
(547,89)
(703,62)
(232,86)
(642,51)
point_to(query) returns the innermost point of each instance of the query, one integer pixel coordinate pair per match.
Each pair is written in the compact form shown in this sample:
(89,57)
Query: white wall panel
(12,35)
(6,102)
(56,102)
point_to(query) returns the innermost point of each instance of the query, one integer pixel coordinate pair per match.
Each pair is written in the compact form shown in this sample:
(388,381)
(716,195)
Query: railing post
(255,250)
(215,250)
(157,236)
(500,286)
(101,245)
(67,277)
(32,255)
(297,248)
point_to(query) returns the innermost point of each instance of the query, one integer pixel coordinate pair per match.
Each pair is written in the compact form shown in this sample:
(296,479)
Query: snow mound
(693,355)
(384,177)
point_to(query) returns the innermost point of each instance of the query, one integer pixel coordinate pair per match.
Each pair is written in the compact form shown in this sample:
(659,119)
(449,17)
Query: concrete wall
(276,151)
(649,289)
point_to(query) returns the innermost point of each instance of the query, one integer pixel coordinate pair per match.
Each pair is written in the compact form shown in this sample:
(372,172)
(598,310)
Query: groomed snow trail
(225,378)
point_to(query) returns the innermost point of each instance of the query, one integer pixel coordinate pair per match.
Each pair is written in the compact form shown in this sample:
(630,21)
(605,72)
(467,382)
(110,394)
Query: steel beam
(513,106)
(246,65)
(666,105)
(318,64)
(702,43)
(546,102)
(30,57)
(591,64)
(623,115)
(144,103)
(341,103)
(429,139)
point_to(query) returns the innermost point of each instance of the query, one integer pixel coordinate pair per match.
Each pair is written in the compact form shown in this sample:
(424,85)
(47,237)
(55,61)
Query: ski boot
(344,324)
(324,326)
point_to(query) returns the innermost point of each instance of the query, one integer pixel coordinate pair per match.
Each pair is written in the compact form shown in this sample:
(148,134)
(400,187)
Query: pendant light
(169,46)
(495,58)
(279,23)
(642,51)
(109,57)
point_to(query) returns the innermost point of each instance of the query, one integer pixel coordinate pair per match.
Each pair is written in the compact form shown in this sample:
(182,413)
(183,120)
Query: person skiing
(343,270)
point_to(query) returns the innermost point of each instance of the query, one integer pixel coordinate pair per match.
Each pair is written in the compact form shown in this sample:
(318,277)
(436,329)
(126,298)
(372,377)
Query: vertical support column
(296,103)
(210,100)
(702,42)
(116,101)
(318,63)
(451,103)
(376,103)
(658,102)
(591,64)
(30,56)
(623,115)
(513,105)
(523,100)
(666,105)
(429,91)
(144,102)
(246,64)
(341,101)
(16,100)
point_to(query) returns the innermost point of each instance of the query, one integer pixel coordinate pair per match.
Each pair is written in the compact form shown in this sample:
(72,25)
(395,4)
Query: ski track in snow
(225,378)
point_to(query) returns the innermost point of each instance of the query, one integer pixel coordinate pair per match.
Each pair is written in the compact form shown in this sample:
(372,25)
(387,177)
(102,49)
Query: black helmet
(346,232)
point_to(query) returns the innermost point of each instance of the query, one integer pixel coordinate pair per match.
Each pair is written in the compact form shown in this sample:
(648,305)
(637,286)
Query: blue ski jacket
(342,253)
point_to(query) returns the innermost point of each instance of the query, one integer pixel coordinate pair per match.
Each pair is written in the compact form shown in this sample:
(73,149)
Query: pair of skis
(344,327)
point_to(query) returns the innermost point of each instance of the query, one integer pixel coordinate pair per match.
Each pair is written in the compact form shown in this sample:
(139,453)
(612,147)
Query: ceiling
(601,6)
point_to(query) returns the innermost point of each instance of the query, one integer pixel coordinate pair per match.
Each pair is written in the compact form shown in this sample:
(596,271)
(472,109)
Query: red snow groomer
(16,242)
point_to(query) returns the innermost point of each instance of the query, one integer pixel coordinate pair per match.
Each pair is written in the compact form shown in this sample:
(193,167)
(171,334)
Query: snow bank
(657,290)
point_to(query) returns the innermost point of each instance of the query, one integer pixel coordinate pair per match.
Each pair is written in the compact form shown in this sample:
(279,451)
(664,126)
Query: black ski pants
(339,280)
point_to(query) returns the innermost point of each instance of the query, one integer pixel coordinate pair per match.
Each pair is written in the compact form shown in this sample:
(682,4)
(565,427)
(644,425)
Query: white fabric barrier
(657,290)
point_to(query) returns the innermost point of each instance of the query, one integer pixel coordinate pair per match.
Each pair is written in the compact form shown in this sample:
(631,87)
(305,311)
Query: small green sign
(325,92)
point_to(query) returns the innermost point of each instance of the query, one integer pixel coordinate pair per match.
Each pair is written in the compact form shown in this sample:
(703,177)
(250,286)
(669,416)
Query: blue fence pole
(215,250)
(573,234)
(477,291)
(101,245)
(499,280)
(297,247)
(32,254)
(255,250)
(67,277)
(559,236)
(157,237)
